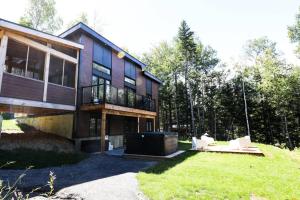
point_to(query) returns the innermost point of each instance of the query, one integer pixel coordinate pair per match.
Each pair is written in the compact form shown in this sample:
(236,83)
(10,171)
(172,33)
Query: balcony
(108,94)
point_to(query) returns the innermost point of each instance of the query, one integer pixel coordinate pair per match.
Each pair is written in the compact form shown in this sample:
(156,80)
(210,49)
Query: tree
(41,15)
(188,50)
(294,32)
(82,17)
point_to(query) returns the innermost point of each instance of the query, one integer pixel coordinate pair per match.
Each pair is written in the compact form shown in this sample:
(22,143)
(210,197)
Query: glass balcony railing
(99,94)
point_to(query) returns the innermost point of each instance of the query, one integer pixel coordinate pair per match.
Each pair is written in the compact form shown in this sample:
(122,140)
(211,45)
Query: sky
(139,25)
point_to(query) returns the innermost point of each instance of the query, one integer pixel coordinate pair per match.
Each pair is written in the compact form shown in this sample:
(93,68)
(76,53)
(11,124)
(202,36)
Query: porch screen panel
(56,70)
(69,74)
(16,58)
(36,63)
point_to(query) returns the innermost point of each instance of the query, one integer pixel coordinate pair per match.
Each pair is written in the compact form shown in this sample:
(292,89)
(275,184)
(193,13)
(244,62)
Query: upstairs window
(101,68)
(23,60)
(102,55)
(148,87)
(130,70)
(130,81)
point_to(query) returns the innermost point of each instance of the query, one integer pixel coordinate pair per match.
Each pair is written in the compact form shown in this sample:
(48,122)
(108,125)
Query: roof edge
(96,35)
(149,75)
(30,31)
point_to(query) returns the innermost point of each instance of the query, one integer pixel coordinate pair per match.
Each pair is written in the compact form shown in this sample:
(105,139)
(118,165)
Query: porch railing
(99,94)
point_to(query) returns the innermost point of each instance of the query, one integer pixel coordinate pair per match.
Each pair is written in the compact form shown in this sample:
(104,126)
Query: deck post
(46,73)
(3,48)
(103,124)
(138,123)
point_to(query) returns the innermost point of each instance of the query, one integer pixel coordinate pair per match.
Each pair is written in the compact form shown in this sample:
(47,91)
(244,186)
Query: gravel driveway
(98,177)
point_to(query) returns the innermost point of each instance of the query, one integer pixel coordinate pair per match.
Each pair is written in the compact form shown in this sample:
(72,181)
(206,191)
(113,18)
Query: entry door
(130,127)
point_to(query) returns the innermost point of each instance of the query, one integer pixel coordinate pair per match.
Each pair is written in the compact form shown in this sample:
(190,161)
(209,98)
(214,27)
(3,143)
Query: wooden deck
(226,149)
(155,158)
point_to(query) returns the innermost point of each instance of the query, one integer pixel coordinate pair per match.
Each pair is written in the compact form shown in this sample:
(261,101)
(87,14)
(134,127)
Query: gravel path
(98,177)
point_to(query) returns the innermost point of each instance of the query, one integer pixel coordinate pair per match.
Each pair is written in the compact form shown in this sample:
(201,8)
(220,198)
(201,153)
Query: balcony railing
(99,94)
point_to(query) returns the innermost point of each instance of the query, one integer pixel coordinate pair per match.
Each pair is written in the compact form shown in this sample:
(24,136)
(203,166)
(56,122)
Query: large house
(78,85)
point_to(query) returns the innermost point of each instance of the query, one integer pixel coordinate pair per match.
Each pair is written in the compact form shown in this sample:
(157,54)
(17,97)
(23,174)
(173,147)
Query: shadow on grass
(169,164)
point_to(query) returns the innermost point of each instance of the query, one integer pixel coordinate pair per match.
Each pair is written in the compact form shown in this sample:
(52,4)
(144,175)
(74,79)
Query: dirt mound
(35,140)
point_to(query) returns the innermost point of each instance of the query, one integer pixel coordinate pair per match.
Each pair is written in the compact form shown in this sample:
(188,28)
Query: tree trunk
(246,108)
(215,124)
(191,109)
(287,133)
(176,101)
(170,114)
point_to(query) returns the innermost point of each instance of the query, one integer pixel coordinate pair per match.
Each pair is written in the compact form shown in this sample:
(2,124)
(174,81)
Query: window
(148,87)
(101,68)
(23,60)
(130,97)
(56,70)
(102,55)
(149,125)
(128,80)
(130,70)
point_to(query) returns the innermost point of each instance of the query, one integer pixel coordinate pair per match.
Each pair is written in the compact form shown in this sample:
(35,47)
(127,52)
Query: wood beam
(138,124)
(76,76)
(103,127)
(1,33)
(154,124)
(3,48)
(46,75)
(41,47)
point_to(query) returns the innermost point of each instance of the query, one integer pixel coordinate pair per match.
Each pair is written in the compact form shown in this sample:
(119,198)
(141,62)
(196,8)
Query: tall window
(23,60)
(101,68)
(130,73)
(102,55)
(149,88)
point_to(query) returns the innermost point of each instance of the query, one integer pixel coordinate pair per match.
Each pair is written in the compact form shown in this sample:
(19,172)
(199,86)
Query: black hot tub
(152,143)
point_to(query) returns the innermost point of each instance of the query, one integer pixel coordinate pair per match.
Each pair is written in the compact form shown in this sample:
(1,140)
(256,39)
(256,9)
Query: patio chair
(209,140)
(202,144)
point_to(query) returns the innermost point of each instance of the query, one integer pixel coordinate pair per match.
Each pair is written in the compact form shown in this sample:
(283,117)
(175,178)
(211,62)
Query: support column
(154,124)
(138,124)
(103,127)
(46,73)
(3,48)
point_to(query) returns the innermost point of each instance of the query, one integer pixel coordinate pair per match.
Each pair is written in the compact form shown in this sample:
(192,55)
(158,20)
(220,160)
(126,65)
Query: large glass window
(56,70)
(101,68)
(23,60)
(128,80)
(149,87)
(130,70)
(102,55)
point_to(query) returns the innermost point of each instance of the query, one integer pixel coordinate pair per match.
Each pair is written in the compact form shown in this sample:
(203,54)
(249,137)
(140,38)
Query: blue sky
(140,24)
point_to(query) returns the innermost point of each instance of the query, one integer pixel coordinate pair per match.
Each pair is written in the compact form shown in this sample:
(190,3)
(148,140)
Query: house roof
(83,27)
(33,32)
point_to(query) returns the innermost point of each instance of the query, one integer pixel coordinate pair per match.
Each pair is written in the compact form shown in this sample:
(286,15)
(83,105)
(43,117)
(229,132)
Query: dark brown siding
(84,79)
(60,95)
(117,71)
(22,88)
(86,61)
(116,125)
(155,90)
(140,82)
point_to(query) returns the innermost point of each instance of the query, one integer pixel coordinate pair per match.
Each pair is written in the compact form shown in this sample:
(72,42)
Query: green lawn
(10,124)
(196,175)
(24,158)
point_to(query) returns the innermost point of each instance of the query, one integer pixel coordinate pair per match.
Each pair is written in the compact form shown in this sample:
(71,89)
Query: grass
(196,175)
(10,124)
(24,158)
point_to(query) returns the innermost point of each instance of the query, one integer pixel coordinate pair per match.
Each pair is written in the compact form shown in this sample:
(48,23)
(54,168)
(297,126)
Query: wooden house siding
(117,71)
(60,95)
(140,82)
(22,88)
